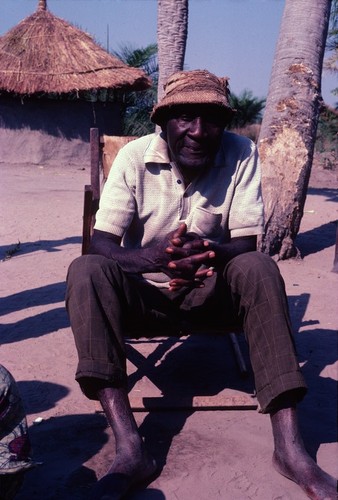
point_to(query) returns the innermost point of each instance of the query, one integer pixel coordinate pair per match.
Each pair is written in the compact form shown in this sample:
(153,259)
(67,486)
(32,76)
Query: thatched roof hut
(44,53)
(45,57)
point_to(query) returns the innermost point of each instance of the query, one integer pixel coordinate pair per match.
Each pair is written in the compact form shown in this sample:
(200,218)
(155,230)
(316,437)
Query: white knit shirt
(144,197)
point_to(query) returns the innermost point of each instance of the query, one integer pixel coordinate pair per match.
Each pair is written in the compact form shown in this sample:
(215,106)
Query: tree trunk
(172,32)
(287,137)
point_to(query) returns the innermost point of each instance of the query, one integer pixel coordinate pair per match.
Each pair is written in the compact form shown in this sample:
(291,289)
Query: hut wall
(52,132)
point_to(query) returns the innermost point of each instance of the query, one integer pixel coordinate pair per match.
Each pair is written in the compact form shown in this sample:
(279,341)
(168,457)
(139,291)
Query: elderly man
(175,242)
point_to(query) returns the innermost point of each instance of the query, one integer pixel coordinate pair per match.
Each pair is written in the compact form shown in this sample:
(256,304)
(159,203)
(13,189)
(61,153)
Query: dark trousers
(104,304)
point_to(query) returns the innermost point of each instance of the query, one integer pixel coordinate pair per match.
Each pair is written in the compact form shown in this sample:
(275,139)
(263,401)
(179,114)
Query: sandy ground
(210,454)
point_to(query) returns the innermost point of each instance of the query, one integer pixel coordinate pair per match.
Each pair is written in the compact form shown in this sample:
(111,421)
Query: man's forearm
(142,260)
(227,251)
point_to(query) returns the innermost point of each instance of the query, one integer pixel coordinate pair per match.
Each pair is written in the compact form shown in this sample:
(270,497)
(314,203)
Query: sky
(234,38)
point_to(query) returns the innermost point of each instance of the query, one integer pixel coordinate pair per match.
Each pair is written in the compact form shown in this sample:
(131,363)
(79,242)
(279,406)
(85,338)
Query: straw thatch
(44,53)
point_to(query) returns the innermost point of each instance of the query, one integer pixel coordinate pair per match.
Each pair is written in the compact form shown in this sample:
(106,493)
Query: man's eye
(186,118)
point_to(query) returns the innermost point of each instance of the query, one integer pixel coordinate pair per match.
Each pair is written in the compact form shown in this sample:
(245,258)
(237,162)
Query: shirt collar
(157,151)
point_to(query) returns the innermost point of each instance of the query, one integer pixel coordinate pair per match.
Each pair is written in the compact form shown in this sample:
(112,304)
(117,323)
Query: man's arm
(158,258)
(227,251)
(141,260)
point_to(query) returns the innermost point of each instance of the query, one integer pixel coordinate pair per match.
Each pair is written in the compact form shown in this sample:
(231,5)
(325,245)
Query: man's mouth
(195,150)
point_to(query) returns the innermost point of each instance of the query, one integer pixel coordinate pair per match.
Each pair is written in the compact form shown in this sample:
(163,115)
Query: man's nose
(197,128)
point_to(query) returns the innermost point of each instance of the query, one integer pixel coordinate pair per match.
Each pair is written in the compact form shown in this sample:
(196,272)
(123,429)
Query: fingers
(180,238)
(204,273)
(178,283)
(175,238)
(197,244)
(179,232)
(189,273)
(191,262)
(196,282)
(187,249)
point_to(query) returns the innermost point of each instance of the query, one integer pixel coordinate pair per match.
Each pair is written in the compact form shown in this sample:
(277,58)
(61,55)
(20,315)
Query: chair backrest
(103,151)
(110,146)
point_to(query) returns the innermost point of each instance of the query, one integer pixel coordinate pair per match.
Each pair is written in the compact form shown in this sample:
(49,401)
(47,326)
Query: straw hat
(193,87)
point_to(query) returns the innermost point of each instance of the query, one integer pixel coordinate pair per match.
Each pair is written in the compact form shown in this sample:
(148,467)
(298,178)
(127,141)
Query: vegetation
(137,106)
(327,132)
(326,146)
(331,63)
(249,113)
(249,109)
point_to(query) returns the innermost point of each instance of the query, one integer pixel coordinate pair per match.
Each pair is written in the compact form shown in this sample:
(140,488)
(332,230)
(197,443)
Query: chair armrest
(90,207)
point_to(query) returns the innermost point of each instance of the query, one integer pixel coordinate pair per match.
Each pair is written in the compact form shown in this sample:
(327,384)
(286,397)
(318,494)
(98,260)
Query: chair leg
(238,355)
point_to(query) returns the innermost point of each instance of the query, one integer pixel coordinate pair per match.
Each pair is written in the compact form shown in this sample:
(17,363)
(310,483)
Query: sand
(205,454)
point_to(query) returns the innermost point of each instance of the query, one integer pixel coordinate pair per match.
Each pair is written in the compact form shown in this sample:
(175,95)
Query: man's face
(193,133)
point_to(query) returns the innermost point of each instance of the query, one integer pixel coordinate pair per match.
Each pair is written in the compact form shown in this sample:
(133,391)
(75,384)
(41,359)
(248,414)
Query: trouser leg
(258,292)
(98,296)
(103,303)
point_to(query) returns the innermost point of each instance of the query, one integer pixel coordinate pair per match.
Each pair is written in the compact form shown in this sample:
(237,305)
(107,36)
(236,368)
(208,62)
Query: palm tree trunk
(287,137)
(172,32)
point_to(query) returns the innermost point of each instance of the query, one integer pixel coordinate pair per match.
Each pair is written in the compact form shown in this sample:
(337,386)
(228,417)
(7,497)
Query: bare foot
(125,474)
(304,471)
(291,459)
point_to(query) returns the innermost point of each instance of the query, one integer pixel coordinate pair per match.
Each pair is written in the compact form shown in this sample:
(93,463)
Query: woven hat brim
(162,110)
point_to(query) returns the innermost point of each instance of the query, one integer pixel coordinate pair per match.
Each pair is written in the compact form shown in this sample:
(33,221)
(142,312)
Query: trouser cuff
(267,396)
(94,376)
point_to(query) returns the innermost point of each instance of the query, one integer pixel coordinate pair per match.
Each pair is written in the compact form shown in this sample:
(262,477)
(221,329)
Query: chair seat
(194,372)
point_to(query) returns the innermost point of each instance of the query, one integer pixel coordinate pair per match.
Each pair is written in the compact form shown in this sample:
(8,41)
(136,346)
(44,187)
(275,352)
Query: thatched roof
(44,53)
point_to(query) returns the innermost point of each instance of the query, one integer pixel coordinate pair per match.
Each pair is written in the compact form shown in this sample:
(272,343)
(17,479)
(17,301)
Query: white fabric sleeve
(117,203)
(246,213)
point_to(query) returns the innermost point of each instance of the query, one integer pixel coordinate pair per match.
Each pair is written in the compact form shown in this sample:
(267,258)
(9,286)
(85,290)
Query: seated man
(175,242)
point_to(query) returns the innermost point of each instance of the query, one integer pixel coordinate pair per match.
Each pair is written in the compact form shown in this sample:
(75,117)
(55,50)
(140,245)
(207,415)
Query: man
(175,242)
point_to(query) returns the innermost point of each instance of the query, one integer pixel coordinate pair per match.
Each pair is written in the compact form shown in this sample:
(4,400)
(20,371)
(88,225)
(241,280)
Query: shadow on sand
(196,366)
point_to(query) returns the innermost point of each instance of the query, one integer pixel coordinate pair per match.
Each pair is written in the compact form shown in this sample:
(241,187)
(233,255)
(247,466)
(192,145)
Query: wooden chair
(102,153)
